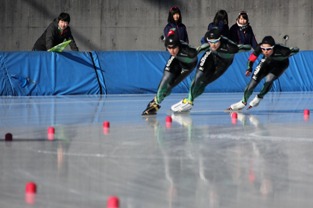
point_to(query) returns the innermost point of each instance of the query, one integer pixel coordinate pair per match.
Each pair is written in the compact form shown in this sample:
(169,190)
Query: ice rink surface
(203,159)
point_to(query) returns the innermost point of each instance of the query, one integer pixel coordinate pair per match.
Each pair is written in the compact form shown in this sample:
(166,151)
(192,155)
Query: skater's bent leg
(181,77)
(197,86)
(249,90)
(169,81)
(165,87)
(270,78)
(206,73)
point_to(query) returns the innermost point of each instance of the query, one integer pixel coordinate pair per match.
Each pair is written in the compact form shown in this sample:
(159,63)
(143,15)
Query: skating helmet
(268,40)
(213,34)
(172,39)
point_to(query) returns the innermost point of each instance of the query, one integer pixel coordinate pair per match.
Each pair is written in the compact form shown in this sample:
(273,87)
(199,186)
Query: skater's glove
(249,67)
(248,71)
(294,50)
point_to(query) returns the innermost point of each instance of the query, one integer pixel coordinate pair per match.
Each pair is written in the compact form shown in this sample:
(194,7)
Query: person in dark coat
(57,32)
(241,32)
(174,20)
(220,21)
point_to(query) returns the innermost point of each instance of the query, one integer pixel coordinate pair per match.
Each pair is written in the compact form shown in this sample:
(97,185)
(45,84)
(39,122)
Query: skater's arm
(228,46)
(282,52)
(189,51)
(227,49)
(192,52)
(294,50)
(203,47)
(244,47)
(252,58)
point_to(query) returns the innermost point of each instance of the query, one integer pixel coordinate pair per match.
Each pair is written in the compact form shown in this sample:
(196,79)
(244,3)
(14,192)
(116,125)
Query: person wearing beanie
(241,32)
(174,20)
(219,55)
(274,62)
(57,32)
(182,61)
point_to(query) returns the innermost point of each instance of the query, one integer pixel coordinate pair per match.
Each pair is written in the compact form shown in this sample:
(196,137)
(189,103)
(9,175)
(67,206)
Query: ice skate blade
(181,107)
(180,112)
(147,113)
(144,114)
(232,110)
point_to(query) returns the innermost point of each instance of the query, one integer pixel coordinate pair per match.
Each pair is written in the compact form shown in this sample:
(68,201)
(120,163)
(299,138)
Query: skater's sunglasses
(267,49)
(213,40)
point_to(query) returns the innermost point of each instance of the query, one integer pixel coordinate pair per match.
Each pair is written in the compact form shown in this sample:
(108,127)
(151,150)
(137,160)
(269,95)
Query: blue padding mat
(125,72)
(49,73)
(131,72)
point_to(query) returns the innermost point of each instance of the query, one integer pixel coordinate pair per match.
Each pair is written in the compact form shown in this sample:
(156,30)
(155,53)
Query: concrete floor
(204,158)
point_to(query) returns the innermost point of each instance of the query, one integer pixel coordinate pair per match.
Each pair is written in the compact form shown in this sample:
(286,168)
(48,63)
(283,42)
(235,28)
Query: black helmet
(214,33)
(172,40)
(268,40)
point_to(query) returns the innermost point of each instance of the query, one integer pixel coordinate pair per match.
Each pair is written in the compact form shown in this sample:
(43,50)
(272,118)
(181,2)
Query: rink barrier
(125,72)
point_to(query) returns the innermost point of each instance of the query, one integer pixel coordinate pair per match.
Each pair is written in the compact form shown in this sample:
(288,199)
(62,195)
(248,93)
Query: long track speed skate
(151,109)
(237,106)
(184,105)
(255,102)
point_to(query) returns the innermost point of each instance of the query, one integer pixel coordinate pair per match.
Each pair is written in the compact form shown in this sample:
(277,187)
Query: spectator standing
(241,32)
(174,20)
(220,21)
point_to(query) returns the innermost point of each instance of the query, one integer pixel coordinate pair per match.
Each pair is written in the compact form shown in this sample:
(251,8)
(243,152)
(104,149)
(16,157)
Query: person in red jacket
(274,62)
(57,32)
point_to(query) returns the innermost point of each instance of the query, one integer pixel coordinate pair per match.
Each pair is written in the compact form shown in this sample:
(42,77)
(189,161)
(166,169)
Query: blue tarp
(49,73)
(125,72)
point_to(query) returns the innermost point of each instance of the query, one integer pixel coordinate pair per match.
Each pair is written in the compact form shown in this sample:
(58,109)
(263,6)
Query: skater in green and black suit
(182,61)
(274,62)
(219,55)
